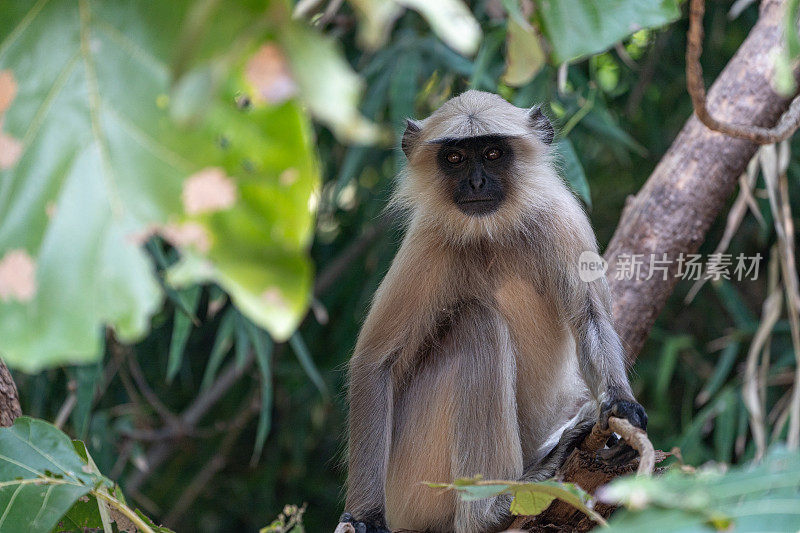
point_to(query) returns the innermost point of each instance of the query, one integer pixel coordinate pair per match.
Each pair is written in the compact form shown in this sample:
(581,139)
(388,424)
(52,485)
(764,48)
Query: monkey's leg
(570,439)
(487,439)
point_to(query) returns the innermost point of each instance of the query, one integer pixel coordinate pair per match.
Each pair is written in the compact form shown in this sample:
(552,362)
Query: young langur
(484,352)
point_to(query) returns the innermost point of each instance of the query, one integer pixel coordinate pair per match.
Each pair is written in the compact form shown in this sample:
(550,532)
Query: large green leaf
(107,146)
(50,483)
(41,476)
(764,497)
(577,28)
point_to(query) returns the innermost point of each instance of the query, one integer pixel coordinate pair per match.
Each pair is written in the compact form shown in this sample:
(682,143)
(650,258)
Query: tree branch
(787,124)
(692,182)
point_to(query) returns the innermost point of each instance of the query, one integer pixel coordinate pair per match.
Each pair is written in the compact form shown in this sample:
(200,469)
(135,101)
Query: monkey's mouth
(482,205)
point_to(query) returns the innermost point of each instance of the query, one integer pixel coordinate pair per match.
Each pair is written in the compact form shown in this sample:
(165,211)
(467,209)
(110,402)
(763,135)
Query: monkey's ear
(410,136)
(541,124)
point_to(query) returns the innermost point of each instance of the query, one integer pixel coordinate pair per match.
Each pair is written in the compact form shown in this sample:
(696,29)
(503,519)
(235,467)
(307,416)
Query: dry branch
(787,124)
(585,468)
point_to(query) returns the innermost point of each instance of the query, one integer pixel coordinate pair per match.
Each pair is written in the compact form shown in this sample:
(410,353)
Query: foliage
(529,498)
(291,519)
(577,28)
(711,498)
(235,386)
(115,148)
(49,483)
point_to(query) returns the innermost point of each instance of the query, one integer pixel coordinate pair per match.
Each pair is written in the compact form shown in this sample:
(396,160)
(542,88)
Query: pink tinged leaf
(268,72)
(8,89)
(207,191)
(273,297)
(17,276)
(10,150)
(289,176)
(188,234)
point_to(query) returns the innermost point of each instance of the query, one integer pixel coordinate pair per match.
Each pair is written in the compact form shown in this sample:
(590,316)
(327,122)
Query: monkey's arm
(601,356)
(587,308)
(395,328)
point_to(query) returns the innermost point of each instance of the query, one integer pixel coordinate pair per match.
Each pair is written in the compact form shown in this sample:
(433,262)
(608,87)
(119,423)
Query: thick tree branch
(690,185)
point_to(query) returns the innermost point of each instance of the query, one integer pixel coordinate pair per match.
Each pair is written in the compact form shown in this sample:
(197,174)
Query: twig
(787,124)
(339,265)
(637,438)
(654,57)
(68,406)
(773,168)
(750,391)
(147,392)
(189,418)
(201,480)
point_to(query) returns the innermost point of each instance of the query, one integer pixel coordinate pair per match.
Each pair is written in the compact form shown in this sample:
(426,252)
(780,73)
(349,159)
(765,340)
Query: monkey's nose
(477,181)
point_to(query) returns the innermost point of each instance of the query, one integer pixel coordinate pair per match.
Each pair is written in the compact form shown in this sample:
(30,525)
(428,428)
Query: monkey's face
(475,171)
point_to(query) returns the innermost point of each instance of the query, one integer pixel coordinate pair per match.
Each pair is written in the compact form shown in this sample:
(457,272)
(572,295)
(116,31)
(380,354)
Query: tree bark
(673,211)
(9,397)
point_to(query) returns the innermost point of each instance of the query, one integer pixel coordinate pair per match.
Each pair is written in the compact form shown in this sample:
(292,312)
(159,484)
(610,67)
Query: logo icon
(591,266)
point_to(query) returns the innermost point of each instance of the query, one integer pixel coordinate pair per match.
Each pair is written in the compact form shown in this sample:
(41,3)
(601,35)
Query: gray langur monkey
(483,352)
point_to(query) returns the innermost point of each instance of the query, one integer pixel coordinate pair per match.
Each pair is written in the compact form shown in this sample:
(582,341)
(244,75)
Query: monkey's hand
(619,453)
(364,527)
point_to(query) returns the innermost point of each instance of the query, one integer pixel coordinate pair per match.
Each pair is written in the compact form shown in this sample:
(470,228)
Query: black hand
(619,452)
(627,409)
(363,527)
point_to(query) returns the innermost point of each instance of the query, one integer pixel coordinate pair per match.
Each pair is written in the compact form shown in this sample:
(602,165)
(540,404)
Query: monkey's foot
(358,526)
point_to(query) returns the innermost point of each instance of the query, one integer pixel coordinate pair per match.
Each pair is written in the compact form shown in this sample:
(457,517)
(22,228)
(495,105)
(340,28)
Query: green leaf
(262,346)
(222,343)
(86,379)
(314,58)
(181,328)
(104,164)
(88,510)
(573,170)
(41,476)
(151,524)
(82,516)
(452,21)
(304,356)
(524,54)
(530,498)
(242,346)
(741,499)
(530,502)
(576,28)
(723,367)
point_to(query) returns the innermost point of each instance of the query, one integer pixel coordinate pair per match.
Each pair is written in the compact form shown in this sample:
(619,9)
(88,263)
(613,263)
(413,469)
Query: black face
(476,169)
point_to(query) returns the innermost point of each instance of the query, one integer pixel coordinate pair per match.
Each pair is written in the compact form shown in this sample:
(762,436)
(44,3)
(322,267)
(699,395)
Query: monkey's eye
(454,157)
(492,153)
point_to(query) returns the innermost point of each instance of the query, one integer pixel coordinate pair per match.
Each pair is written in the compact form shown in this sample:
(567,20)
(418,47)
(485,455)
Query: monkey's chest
(549,387)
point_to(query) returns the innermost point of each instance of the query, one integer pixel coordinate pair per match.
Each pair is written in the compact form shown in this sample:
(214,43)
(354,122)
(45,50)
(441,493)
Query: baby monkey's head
(477,167)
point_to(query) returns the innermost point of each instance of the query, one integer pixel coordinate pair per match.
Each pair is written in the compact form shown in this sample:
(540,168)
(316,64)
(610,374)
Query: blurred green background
(619,108)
